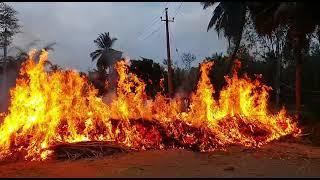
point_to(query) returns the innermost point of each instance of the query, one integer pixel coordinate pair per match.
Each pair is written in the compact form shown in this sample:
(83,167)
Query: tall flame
(49,108)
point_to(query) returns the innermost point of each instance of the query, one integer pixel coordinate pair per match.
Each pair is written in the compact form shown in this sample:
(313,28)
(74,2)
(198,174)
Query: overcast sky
(140,32)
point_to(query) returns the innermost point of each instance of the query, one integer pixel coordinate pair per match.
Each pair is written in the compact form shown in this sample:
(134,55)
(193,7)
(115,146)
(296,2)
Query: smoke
(127,60)
(181,92)
(108,97)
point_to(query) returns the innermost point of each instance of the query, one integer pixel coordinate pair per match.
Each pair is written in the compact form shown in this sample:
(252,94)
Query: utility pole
(170,83)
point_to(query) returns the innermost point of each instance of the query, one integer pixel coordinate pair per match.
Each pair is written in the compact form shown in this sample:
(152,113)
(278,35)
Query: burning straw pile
(58,114)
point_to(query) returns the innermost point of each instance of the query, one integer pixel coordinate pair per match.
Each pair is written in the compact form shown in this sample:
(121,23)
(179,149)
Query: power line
(147,32)
(177,10)
(174,43)
(157,17)
(172,40)
(175,46)
(150,32)
(156,30)
(165,5)
(153,22)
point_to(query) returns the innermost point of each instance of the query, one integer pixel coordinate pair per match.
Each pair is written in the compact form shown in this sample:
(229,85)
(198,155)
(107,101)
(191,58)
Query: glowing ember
(50,108)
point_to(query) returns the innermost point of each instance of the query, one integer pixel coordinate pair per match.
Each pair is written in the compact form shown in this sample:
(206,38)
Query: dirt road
(273,160)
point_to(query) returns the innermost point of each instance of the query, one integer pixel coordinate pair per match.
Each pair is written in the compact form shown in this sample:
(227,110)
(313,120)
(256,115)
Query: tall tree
(269,48)
(47,47)
(104,44)
(8,28)
(301,19)
(229,17)
(150,72)
(9,25)
(22,52)
(187,59)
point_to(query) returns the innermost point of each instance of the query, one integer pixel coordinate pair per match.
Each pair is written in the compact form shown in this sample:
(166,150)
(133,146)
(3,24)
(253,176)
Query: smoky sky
(136,25)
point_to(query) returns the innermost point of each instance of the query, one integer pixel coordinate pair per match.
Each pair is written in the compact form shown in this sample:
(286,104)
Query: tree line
(279,40)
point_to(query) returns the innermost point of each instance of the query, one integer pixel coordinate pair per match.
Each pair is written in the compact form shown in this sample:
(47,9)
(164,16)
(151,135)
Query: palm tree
(53,67)
(229,17)
(48,47)
(302,19)
(23,53)
(104,43)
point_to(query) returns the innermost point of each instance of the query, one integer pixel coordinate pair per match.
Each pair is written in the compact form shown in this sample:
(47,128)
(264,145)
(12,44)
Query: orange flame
(48,108)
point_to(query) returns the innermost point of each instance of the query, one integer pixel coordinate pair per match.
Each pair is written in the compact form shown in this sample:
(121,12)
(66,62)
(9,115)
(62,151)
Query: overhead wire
(153,22)
(171,34)
(177,10)
(172,41)
(156,30)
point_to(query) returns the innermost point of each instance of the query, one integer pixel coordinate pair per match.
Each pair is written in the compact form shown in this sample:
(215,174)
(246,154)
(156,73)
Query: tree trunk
(316,79)
(278,82)
(233,56)
(299,43)
(237,45)
(298,61)
(278,59)
(236,48)
(298,90)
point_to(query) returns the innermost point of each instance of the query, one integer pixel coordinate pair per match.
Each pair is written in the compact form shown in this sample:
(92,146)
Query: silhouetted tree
(104,44)
(229,17)
(301,19)
(165,62)
(22,53)
(187,59)
(150,72)
(9,27)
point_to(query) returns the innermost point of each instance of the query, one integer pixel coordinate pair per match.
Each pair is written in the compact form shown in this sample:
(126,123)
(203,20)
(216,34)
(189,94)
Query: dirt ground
(272,160)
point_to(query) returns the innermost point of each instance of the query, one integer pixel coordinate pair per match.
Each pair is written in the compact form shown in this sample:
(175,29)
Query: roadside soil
(277,159)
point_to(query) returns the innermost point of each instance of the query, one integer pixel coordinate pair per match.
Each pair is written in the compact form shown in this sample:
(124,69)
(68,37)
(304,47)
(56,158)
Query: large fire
(50,108)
